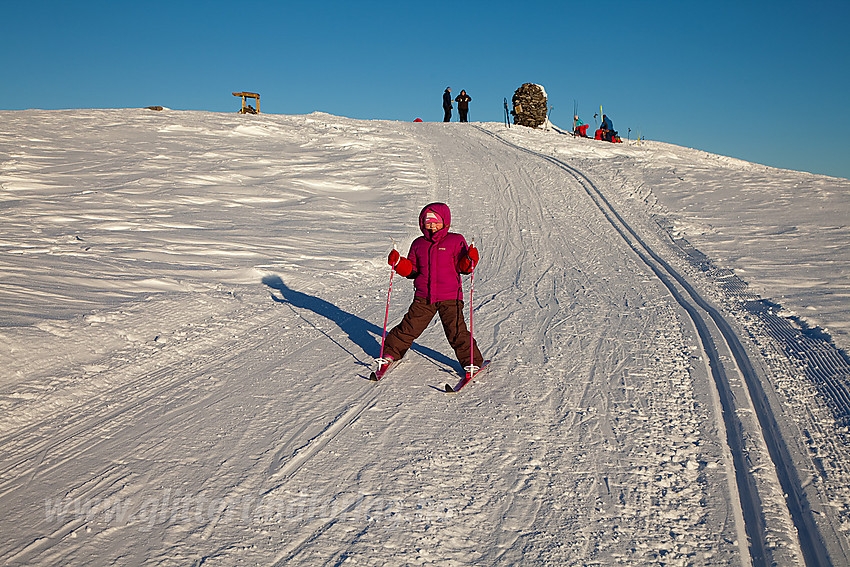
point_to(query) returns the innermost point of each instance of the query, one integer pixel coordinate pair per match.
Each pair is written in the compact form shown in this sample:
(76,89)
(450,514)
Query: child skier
(434,263)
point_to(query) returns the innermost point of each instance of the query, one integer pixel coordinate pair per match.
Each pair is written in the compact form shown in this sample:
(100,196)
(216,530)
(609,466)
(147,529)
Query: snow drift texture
(191,302)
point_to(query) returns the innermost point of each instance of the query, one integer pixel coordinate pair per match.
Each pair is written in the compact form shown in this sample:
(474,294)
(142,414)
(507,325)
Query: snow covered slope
(191,303)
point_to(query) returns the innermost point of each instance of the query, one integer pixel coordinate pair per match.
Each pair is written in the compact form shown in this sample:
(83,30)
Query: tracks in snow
(727,362)
(125,461)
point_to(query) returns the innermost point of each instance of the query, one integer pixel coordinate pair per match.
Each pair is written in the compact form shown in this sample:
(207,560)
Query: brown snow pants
(416,321)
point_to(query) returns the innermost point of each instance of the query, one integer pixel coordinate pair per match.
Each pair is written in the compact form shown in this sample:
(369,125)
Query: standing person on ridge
(462,101)
(435,262)
(447,104)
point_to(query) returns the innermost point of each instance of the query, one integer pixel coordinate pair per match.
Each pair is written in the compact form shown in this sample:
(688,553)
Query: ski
(376,375)
(468,377)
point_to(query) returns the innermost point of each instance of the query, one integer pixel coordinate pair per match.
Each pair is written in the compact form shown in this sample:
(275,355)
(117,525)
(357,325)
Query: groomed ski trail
(736,378)
(253,435)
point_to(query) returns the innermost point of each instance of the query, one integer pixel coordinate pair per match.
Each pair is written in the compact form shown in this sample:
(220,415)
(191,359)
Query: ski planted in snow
(376,375)
(469,377)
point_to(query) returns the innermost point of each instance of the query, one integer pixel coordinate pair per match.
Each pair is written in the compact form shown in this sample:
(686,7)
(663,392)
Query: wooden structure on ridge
(245,108)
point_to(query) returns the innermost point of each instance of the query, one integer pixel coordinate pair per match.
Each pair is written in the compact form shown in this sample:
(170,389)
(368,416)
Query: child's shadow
(360,332)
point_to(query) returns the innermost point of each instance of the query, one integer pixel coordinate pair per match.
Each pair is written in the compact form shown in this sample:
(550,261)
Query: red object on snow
(614,138)
(418,120)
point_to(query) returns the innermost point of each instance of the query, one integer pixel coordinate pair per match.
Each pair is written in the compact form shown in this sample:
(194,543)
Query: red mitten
(404,267)
(469,261)
(473,255)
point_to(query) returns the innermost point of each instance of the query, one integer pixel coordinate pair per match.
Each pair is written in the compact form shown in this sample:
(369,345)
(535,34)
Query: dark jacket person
(462,101)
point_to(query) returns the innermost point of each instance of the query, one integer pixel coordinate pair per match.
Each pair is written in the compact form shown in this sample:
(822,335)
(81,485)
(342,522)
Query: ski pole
(387,315)
(472,368)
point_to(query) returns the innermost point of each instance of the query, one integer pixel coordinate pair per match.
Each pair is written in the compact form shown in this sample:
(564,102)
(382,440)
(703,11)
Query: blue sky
(765,81)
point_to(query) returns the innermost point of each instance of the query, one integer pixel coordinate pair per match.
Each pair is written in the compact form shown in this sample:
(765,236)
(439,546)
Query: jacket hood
(443,211)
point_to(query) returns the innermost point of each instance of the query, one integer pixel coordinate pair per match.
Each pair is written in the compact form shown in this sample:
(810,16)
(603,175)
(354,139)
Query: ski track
(762,518)
(484,499)
(230,429)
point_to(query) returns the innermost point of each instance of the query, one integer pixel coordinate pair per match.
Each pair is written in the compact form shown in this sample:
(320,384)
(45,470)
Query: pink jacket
(438,259)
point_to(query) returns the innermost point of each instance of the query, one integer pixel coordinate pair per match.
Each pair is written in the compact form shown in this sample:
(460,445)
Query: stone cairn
(529,105)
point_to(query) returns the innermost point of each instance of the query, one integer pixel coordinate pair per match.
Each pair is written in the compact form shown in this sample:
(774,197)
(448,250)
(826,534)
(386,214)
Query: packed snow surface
(190,304)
